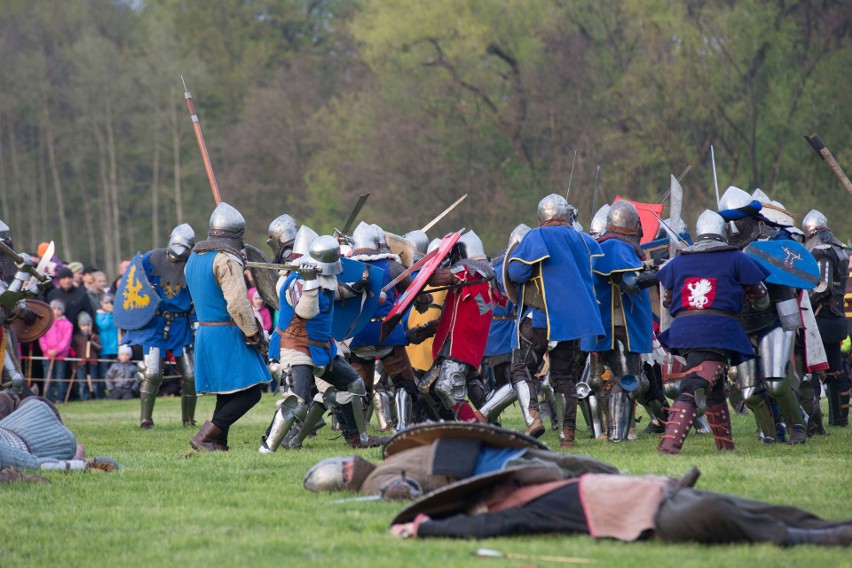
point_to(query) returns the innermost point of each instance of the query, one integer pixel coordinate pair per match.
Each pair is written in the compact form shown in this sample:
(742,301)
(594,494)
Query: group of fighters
(564,317)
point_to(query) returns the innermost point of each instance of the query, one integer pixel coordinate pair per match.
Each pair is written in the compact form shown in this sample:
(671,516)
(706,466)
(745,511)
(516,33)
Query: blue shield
(352,314)
(788,263)
(136,301)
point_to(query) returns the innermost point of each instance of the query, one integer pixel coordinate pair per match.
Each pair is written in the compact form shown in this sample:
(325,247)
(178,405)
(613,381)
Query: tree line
(306,104)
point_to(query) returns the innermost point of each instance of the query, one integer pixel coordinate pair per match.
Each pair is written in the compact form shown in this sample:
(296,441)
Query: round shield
(530,291)
(455,497)
(401,247)
(26,332)
(425,434)
(265,279)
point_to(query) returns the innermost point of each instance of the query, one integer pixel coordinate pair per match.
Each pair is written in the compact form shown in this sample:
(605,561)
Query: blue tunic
(635,306)
(176,300)
(372,331)
(565,257)
(502,323)
(223,361)
(318,327)
(709,280)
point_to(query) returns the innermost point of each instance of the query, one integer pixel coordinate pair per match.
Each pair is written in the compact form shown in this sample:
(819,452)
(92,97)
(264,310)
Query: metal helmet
(281,233)
(325,252)
(181,242)
(327,475)
(623,216)
(5,232)
(517,235)
(710,225)
(471,246)
(381,239)
(598,224)
(364,237)
(226,220)
(680,229)
(760,195)
(419,239)
(813,222)
(435,243)
(305,237)
(734,198)
(554,206)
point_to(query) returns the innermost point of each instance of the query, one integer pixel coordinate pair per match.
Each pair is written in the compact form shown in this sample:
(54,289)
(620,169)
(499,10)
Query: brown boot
(207,439)
(12,475)
(566,440)
(354,440)
(719,419)
(681,417)
(536,428)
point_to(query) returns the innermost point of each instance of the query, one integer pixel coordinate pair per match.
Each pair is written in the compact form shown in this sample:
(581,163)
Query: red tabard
(466,319)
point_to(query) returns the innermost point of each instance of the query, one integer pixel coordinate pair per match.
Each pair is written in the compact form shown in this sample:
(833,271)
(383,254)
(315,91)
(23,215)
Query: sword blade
(673,236)
(715,179)
(349,222)
(571,175)
(45,258)
(443,214)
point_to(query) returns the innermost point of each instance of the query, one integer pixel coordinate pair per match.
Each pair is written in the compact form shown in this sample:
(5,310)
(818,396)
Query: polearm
(819,147)
(196,125)
(571,175)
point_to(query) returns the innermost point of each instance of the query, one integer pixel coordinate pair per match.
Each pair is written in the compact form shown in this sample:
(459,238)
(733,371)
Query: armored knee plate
(451,385)
(290,408)
(404,405)
(499,401)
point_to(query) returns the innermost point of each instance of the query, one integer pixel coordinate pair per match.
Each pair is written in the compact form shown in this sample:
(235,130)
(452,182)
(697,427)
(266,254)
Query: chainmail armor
(223,241)
(170,273)
(708,245)
(749,231)
(480,267)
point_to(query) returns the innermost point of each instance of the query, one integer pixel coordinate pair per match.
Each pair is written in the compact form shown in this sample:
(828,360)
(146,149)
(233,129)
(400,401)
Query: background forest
(306,104)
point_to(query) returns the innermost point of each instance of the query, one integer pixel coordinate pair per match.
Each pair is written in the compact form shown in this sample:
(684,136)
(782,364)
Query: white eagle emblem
(698,292)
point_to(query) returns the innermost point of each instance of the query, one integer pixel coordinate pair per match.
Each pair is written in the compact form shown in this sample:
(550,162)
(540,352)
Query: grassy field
(172,507)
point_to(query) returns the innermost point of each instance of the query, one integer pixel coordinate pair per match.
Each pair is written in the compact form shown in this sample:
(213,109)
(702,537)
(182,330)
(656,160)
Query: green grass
(172,507)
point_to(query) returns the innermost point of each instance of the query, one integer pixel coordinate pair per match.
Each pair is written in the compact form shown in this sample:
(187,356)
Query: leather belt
(206,323)
(709,312)
(326,345)
(503,318)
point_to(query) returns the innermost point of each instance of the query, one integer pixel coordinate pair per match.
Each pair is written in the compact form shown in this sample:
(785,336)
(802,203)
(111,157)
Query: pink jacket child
(56,343)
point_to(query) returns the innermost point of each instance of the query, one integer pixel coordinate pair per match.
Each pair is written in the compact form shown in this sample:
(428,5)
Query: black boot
(834,536)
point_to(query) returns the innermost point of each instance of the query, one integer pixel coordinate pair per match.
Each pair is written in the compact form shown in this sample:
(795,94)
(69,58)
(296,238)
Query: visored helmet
(813,222)
(281,233)
(181,242)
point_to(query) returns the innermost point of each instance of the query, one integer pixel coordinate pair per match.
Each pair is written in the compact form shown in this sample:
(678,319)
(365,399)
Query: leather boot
(681,417)
(719,418)
(536,428)
(207,439)
(355,441)
(566,440)
(834,536)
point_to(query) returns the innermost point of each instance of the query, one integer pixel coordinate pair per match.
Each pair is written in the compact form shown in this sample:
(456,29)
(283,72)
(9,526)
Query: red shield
(404,301)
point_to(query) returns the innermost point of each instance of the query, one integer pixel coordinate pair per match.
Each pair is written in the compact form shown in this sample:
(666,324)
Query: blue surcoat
(709,281)
(502,323)
(318,327)
(620,256)
(174,299)
(565,258)
(372,331)
(223,361)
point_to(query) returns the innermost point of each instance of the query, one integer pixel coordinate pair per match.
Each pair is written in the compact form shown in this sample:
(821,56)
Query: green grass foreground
(169,506)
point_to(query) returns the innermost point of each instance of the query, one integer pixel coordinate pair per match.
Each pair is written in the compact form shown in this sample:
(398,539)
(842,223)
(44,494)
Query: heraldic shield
(136,301)
(352,314)
(788,263)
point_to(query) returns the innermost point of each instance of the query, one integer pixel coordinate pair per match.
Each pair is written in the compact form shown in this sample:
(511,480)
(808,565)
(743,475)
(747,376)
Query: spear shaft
(196,125)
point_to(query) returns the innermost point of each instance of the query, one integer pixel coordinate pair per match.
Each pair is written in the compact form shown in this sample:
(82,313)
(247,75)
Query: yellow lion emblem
(132,298)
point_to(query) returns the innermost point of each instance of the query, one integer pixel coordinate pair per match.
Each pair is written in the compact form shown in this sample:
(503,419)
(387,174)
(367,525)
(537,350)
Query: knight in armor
(461,331)
(229,342)
(310,353)
(772,328)
(827,301)
(17,288)
(431,456)
(625,305)
(705,289)
(367,244)
(281,238)
(556,259)
(524,359)
(169,330)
